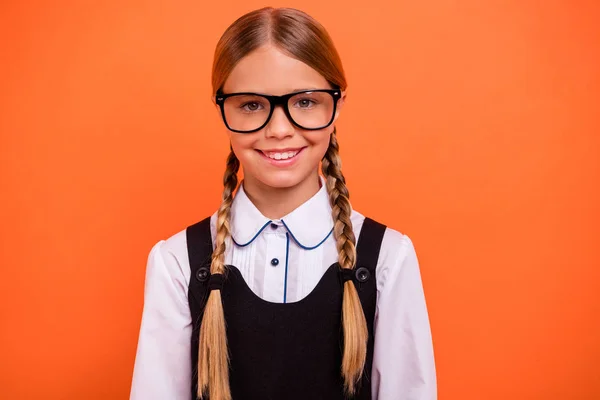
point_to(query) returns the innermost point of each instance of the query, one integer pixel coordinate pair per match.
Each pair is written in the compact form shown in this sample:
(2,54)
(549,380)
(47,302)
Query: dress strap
(200,248)
(369,244)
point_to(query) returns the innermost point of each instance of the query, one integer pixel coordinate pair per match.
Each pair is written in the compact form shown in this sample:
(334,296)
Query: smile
(282,157)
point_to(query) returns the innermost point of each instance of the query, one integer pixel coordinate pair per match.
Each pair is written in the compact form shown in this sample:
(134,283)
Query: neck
(274,202)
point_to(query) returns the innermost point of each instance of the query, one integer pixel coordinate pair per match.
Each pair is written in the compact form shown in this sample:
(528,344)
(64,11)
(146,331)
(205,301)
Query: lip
(281,163)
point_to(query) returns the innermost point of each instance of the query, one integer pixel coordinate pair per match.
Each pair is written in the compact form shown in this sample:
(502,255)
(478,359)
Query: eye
(305,103)
(251,106)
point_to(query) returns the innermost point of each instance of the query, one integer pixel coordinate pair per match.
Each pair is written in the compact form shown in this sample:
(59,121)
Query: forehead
(268,70)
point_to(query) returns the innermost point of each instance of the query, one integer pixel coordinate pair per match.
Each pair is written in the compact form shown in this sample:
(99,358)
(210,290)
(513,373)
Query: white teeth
(282,156)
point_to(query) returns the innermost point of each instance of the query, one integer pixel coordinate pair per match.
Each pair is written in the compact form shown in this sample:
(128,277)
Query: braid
(213,357)
(353,318)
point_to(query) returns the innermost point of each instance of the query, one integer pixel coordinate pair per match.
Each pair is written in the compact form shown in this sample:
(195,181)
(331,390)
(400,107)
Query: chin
(281,180)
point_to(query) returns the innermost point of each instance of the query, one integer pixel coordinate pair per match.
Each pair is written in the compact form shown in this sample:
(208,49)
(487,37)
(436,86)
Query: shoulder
(394,242)
(176,245)
(172,254)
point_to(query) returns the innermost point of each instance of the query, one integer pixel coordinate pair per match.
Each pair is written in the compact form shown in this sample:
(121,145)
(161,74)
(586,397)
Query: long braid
(213,356)
(353,317)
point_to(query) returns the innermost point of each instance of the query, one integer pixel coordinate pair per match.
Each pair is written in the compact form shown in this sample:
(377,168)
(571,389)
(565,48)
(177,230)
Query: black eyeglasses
(250,112)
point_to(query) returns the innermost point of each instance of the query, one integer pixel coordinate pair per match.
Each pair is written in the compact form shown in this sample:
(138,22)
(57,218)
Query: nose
(279,126)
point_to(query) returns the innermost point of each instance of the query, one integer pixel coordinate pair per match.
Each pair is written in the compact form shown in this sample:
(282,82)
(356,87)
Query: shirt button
(274,262)
(274,226)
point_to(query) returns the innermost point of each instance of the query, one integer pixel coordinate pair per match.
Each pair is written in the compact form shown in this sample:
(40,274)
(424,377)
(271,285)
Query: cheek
(242,143)
(319,140)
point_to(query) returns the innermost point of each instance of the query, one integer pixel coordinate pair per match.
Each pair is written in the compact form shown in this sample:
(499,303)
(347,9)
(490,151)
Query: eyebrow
(270,94)
(305,89)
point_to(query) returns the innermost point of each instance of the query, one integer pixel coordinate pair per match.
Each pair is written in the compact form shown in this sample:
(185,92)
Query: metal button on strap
(274,262)
(362,274)
(203,274)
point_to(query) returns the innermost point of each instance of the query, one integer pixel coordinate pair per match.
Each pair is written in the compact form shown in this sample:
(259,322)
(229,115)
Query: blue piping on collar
(300,244)
(255,236)
(287,254)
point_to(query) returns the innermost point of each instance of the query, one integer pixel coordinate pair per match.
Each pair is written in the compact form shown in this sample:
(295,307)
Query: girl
(274,297)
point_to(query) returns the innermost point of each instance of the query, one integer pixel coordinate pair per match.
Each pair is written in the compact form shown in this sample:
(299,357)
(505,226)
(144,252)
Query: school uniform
(282,299)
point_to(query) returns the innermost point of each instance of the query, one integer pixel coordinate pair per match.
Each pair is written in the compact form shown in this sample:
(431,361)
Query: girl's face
(280,155)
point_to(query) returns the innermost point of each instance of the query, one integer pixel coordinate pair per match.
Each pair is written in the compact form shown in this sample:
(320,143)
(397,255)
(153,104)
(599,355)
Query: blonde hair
(303,38)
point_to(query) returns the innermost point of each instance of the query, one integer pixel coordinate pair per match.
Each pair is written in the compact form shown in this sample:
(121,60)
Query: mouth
(281,156)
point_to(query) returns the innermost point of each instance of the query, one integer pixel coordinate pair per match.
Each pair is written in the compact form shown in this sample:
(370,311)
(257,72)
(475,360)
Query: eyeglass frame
(274,101)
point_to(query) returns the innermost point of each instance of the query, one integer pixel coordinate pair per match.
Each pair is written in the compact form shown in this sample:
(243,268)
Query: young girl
(285,292)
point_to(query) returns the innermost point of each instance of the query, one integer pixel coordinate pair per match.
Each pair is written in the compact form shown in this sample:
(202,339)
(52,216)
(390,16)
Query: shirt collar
(309,225)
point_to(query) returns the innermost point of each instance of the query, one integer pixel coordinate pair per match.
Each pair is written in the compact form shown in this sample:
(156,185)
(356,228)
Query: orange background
(471,126)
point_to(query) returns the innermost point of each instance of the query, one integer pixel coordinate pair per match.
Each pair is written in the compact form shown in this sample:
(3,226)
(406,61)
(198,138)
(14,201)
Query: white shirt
(403,362)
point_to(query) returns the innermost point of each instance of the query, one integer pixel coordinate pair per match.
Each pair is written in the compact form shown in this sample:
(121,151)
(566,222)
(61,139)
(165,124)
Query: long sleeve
(403,361)
(163,362)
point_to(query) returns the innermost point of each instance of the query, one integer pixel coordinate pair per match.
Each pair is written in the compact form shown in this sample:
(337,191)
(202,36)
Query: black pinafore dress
(285,351)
